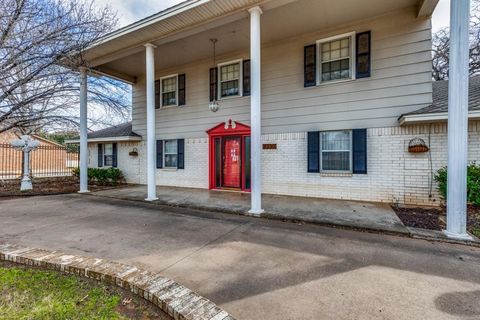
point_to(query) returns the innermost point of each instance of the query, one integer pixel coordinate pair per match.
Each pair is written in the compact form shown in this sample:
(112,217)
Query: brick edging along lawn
(173,298)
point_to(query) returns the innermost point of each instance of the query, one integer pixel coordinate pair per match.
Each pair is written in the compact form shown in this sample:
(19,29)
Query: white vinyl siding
(400,82)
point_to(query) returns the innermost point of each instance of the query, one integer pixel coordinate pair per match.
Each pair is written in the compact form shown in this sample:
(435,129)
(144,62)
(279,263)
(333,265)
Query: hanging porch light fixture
(213,106)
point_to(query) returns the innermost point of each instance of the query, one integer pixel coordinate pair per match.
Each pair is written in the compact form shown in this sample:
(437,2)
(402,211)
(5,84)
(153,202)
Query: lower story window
(336,151)
(108,154)
(170,154)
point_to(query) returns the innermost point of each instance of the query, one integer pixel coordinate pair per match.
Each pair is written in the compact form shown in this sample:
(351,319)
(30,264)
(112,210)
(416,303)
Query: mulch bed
(44,186)
(435,218)
(131,307)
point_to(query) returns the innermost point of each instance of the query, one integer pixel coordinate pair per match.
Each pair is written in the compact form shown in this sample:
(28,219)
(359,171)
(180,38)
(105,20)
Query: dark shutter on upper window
(363,49)
(114,155)
(181,90)
(180,154)
(100,155)
(157,94)
(159,154)
(310,65)
(246,77)
(213,84)
(359,148)
(313,150)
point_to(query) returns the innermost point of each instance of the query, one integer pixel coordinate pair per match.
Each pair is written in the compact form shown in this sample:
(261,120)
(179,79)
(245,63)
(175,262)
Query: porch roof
(192,23)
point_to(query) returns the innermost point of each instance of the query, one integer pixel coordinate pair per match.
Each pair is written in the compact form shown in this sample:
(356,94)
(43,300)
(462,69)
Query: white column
(255,111)
(83,131)
(151,145)
(458,120)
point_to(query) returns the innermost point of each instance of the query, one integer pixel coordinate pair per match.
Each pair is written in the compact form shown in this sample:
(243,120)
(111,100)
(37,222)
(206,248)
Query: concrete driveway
(256,268)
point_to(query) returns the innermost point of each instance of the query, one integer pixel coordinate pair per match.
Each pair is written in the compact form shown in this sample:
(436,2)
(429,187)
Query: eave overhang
(108,139)
(432,117)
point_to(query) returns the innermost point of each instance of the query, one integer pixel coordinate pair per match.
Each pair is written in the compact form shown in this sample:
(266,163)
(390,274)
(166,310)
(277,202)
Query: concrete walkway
(356,214)
(258,268)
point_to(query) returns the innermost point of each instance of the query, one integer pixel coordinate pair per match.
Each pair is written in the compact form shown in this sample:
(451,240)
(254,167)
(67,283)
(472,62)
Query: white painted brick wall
(394,174)
(194,175)
(130,165)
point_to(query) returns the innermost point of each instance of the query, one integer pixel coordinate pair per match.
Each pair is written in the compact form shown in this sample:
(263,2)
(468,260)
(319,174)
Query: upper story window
(336,58)
(230,79)
(108,155)
(169,90)
(336,151)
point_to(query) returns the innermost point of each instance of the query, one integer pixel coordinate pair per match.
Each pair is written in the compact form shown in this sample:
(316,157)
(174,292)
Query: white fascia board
(433,117)
(106,139)
(425,8)
(172,11)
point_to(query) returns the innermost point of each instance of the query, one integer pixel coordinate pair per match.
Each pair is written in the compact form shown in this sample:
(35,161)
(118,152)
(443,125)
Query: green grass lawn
(39,294)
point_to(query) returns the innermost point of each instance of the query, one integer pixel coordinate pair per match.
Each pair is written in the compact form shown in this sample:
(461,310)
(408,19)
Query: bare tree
(41,42)
(441,46)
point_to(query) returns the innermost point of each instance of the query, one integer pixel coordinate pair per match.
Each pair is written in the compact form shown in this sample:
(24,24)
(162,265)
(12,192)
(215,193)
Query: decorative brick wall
(394,174)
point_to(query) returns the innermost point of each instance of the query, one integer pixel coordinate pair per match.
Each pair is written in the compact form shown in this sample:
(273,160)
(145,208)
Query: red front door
(232,165)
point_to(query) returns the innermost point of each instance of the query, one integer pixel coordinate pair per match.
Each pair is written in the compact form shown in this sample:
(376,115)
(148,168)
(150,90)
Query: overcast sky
(132,10)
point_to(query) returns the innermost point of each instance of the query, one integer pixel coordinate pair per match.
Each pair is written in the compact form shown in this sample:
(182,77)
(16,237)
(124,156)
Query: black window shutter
(100,155)
(246,77)
(310,65)
(114,155)
(159,154)
(213,83)
(157,94)
(181,90)
(363,49)
(313,149)
(180,154)
(359,140)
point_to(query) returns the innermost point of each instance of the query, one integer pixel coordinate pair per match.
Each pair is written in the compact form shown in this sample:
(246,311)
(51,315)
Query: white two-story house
(310,98)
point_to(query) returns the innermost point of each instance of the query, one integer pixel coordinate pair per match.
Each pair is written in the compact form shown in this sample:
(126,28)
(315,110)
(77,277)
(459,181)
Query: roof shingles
(440,97)
(121,130)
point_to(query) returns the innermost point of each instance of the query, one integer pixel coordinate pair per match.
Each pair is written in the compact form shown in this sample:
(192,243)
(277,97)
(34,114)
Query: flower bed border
(173,298)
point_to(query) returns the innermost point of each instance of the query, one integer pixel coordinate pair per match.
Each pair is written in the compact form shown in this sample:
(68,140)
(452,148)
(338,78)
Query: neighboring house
(342,83)
(50,159)
(115,146)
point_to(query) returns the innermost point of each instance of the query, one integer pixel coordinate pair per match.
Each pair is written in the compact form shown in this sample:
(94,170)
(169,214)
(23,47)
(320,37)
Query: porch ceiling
(281,19)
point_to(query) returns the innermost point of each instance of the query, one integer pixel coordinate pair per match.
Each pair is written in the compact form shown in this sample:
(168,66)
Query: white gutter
(433,117)
(107,139)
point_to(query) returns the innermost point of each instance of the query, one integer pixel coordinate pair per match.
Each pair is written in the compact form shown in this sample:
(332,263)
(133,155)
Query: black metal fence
(45,161)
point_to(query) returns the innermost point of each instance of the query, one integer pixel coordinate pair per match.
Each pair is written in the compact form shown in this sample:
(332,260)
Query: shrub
(103,176)
(473,183)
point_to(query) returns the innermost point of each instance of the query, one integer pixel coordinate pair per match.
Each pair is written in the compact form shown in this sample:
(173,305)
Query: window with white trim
(230,79)
(170,154)
(336,58)
(169,89)
(108,155)
(336,151)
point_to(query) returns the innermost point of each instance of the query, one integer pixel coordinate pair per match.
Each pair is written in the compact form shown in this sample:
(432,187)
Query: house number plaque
(269,146)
